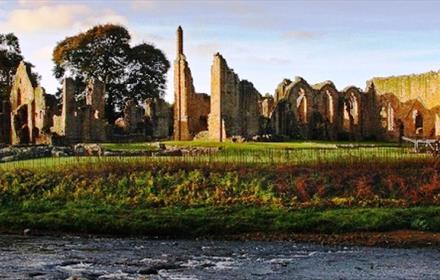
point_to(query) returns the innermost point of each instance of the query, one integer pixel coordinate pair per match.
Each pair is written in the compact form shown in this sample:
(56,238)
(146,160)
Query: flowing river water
(114,258)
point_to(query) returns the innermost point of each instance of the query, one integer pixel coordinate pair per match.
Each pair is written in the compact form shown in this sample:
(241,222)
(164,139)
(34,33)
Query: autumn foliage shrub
(188,185)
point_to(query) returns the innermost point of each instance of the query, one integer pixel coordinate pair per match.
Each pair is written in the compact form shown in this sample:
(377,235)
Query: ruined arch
(390,117)
(352,108)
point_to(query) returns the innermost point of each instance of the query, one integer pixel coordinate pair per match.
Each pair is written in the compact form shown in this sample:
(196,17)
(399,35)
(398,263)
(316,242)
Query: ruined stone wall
(200,104)
(190,109)
(28,110)
(267,105)
(405,99)
(159,118)
(280,91)
(322,112)
(81,122)
(424,87)
(235,107)
(68,124)
(410,118)
(249,109)
(94,126)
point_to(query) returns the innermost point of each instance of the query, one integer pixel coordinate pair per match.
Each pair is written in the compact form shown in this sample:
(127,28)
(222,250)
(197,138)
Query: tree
(104,53)
(10,58)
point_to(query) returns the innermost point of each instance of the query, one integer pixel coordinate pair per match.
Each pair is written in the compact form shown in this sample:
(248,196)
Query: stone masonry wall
(424,87)
(235,109)
(28,110)
(158,115)
(190,109)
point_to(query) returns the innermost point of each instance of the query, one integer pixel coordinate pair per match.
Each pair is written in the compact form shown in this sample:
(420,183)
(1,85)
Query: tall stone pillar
(182,92)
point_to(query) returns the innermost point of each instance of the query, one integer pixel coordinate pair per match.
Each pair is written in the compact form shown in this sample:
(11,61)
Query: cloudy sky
(264,41)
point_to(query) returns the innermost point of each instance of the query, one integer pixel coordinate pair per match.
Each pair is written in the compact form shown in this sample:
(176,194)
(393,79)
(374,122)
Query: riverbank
(392,239)
(388,227)
(326,204)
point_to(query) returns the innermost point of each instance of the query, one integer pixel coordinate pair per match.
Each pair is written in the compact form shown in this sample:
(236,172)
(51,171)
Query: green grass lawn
(215,221)
(275,145)
(147,146)
(138,146)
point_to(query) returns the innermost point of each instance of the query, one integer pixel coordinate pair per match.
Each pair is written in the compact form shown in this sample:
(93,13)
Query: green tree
(104,53)
(10,58)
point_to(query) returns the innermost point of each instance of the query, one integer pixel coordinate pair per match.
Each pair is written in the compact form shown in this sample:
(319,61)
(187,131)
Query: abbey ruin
(386,110)
(31,116)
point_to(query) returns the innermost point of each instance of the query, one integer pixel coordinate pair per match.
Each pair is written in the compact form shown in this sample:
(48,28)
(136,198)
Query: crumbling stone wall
(322,112)
(28,110)
(133,121)
(424,87)
(267,103)
(280,91)
(235,104)
(327,103)
(190,109)
(158,116)
(410,118)
(82,122)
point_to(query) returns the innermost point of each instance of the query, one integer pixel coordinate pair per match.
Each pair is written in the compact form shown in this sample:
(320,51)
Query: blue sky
(347,42)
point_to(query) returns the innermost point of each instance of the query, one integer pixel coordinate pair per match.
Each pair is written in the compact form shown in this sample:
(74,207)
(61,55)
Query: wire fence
(269,157)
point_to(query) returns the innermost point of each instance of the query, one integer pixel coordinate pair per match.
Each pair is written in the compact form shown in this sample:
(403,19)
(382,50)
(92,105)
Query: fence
(270,157)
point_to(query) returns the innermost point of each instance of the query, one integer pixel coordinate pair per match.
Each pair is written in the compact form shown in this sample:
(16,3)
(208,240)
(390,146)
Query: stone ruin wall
(235,104)
(81,122)
(322,112)
(191,109)
(158,115)
(28,120)
(409,104)
(424,87)
(32,117)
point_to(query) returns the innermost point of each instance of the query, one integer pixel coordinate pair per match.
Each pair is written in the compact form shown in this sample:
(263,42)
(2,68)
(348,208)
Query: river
(128,258)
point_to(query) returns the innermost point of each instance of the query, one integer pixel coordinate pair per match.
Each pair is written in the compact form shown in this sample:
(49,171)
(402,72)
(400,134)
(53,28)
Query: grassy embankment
(174,197)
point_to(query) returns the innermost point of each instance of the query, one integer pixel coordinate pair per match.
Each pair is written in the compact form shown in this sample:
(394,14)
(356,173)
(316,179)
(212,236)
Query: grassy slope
(184,200)
(203,221)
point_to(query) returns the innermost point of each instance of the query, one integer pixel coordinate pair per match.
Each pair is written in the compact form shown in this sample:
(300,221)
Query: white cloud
(49,18)
(44,18)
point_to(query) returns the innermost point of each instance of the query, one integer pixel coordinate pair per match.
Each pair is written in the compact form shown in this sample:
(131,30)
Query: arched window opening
(330,107)
(301,105)
(354,109)
(418,122)
(346,120)
(390,118)
(384,117)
